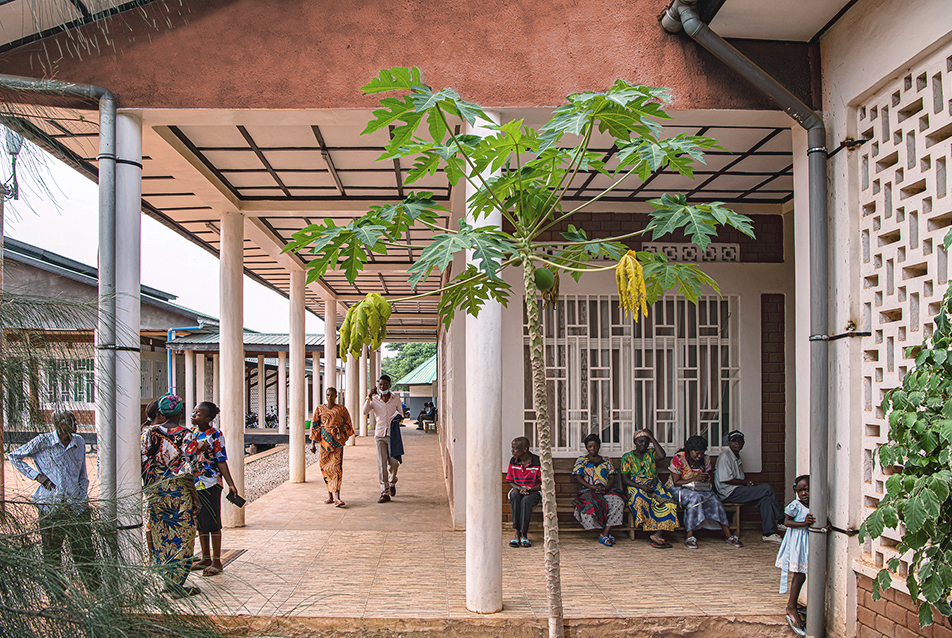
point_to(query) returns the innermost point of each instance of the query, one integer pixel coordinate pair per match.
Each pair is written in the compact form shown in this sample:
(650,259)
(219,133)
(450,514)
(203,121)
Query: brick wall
(83,417)
(895,615)
(766,248)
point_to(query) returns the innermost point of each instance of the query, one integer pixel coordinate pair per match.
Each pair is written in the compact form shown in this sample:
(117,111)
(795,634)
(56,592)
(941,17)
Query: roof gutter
(106,329)
(682,14)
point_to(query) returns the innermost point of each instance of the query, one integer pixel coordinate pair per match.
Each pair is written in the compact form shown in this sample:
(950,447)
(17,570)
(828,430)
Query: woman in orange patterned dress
(331,426)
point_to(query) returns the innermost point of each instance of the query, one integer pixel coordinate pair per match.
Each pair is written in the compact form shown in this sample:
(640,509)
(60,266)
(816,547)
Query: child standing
(793,555)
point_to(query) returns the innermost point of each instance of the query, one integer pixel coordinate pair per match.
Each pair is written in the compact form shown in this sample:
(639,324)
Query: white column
(483,446)
(296,348)
(330,343)
(233,357)
(362,388)
(262,396)
(353,390)
(216,379)
(200,362)
(318,397)
(189,381)
(128,242)
(282,392)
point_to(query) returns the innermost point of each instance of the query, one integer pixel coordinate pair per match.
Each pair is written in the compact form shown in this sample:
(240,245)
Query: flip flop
(525,542)
(199,566)
(340,504)
(657,545)
(606,541)
(211,571)
(330,499)
(690,542)
(513,542)
(179,591)
(793,625)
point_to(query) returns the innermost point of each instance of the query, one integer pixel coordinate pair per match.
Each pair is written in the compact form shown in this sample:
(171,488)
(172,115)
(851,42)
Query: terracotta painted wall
(316,54)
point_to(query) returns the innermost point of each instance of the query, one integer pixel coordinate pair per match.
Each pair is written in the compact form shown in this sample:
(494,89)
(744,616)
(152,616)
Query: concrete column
(296,348)
(330,343)
(200,362)
(282,392)
(353,390)
(316,389)
(483,445)
(232,357)
(189,381)
(362,388)
(262,396)
(128,242)
(216,379)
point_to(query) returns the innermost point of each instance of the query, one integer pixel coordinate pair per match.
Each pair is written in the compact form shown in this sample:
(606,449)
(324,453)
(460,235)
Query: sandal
(525,543)
(794,625)
(211,571)
(181,591)
(330,499)
(200,565)
(733,541)
(607,541)
(513,542)
(690,542)
(339,504)
(657,545)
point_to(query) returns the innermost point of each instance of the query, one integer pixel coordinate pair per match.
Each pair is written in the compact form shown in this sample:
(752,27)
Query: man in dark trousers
(733,488)
(525,477)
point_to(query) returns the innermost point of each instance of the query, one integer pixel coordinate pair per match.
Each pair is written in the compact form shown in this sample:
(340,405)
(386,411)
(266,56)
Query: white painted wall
(873,43)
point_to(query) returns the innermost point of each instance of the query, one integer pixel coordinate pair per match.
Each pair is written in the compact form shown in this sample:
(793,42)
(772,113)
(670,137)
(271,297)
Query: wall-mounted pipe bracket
(849,144)
(852,333)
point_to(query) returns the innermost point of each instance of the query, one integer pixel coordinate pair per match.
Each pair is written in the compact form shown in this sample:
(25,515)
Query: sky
(60,214)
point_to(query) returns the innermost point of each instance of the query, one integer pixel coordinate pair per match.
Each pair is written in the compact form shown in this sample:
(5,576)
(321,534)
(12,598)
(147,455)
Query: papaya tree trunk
(550,521)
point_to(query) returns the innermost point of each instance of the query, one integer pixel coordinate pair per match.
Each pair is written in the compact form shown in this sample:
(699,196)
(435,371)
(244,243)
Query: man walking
(61,498)
(384,406)
(732,488)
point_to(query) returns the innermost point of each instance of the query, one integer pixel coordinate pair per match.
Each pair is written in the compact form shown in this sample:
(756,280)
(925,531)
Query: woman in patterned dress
(169,455)
(331,426)
(598,505)
(702,509)
(650,501)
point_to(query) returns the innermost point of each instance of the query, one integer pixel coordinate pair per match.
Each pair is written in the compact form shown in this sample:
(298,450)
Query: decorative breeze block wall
(905,212)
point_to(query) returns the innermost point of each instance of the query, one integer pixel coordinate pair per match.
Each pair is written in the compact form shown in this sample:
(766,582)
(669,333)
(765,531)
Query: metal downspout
(106,328)
(683,14)
(170,357)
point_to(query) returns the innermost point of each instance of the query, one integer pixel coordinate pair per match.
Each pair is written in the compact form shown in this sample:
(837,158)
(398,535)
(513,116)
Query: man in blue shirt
(61,498)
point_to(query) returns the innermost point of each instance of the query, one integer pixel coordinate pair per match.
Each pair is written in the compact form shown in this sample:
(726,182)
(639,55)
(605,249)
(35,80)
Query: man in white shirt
(732,487)
(61,498)
(384,405)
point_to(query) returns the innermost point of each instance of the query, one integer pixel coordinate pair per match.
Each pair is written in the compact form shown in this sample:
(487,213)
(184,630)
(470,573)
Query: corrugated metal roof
(423,374)
(251,339)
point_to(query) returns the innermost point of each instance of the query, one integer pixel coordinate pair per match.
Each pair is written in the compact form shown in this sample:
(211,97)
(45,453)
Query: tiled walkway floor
(403,560)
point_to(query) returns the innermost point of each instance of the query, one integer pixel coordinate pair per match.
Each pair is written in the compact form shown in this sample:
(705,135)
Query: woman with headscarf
(650,502)
(169,450)
(599,504)
(331,427)
(690,482)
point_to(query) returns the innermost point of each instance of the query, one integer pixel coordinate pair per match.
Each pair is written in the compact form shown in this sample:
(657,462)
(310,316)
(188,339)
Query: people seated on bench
(651,503)
(525,477)
(690,482)
(599,504)
(428,413)
(731,487)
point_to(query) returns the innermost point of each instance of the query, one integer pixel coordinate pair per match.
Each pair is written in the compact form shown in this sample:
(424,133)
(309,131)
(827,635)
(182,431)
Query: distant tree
(408,356)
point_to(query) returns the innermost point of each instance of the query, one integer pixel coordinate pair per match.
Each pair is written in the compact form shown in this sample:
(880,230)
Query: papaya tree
(524,174)
(918,457)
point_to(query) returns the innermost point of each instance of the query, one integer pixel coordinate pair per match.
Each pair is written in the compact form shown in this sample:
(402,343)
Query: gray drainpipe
(683,14)
(106,329)
(170,356)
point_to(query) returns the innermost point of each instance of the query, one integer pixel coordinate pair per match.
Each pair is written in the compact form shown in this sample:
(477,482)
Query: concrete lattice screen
(904,212)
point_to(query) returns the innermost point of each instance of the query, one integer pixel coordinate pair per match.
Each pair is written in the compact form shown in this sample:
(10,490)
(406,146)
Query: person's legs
(394,466)
(82,550)
(383,465)
(796,584)
(515,506)
(216,549)
(765,498)
(529,501)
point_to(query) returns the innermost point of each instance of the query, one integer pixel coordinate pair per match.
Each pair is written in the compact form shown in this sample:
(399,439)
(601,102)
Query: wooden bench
(730,508)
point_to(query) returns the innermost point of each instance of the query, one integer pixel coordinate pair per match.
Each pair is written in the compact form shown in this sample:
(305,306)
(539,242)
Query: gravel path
(265,474)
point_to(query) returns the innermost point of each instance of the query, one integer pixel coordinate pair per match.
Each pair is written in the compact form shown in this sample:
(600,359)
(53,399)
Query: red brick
(865,616)
(878,606)
(904,632)
(893,611)
(867,632)
(941,628)
(885,625)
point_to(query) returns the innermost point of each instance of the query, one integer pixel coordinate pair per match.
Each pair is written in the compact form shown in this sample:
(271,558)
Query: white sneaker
(781,528)
(772,538)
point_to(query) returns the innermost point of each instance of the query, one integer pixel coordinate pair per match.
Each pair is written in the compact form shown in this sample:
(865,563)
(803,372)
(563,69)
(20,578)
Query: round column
(296,363)
(282,392)
(262,393)
(362,389)
(232,357)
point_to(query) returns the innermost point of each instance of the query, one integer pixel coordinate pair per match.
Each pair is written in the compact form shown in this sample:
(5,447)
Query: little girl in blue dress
(793,555)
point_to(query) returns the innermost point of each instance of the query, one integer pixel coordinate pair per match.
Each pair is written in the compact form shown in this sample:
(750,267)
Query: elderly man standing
(61,498)
(731,487)
(384,405)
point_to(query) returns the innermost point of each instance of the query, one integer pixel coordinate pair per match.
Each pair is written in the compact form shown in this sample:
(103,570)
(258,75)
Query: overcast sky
(63,219)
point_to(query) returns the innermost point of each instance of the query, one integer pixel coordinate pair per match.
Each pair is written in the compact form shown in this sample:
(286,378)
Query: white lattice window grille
(676,372)
(71,381)
(904,211)
(682,252)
